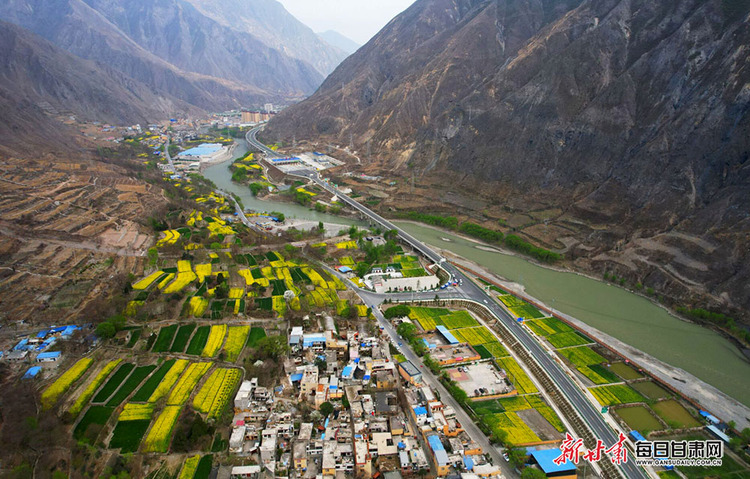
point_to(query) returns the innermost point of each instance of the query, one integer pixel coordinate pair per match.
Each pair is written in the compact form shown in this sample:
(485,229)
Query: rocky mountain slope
(340,41)
(41,83)
(627,119)
(169,46)
(269,22)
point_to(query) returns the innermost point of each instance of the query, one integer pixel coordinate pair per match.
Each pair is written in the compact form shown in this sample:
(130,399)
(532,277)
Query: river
(615,311)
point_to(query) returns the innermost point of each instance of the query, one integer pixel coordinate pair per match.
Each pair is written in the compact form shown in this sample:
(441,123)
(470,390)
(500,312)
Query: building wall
(416,284)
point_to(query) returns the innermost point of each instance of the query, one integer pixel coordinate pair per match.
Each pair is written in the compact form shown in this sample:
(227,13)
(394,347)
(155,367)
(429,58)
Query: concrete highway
(469,290)
(168,156)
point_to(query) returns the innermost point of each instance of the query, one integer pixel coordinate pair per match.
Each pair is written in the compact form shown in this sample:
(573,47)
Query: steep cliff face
(630,116)
(170,46)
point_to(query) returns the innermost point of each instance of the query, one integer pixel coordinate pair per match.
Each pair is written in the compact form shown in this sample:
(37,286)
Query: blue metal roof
(447,334)
(637,436)
(42,334)
(346,372)
(438,450)
(345,269)
(21,344)
(420,411)
(296,377)
(717,432)
(546,457)
(709,416)
(54,354)
(469,463)
(32,372)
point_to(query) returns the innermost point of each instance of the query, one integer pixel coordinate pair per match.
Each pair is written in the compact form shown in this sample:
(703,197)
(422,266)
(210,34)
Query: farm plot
(616,394)
(346,245)
(256,334)
(512,427)
(215,340)
(164,340)
(182,337)
(547,326)
(63,383)
(197,306)
(189,467)
(128,434)
(184,277)
(146,282)
(202,270)
(199,340)
(184,387)
(215,394)
(160,435)
(482,351)
(536,402)
(90,424)
(458,319)
(639,418)
(428,318)
(625,371)
(204,467)
(520,307)
(561,340)
(150,385)
(91,388)
(517,403)
(169,380)
(651,390)
(113,383)
(598,374)
(236,338)
(496,350)
(517,376)
(581,356)
(130,384)
(474,336)
(675,414)
(136,412)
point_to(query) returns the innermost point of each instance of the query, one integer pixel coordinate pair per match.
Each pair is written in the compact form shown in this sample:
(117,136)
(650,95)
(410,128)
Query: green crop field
(204,467)
(581,356)
(199,340)
(135,335)
(651,390)
(474,336)
(96,415)
(639,418)
(428,318)
(625,371)
(616,394)
(598,374)
(516,403)
(256,334)
(130,384)
(561,340)
(729,469)
(482,351)
(265,304)
(399,358)
(517,376)
(675,414)
(127,435)
(279,287)
(486,407)
(182,338)
(164,340)
(152,383)
(113,383)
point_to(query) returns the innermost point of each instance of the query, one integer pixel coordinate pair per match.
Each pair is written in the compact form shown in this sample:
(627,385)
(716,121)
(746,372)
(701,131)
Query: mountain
(625,121)
(41,83)
(270,23)
(169,46)
(340,41)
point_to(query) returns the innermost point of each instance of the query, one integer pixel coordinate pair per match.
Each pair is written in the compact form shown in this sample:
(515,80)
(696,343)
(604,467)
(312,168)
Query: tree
(326,409)
(106,330)
(532,473)
(517,456)
(397,311)
(273,346)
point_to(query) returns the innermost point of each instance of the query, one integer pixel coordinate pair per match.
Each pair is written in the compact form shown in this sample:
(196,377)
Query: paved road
(469,290)
(168,156)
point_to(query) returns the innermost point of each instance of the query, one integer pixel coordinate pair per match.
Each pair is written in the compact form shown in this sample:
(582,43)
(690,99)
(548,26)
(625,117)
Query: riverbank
(701,393)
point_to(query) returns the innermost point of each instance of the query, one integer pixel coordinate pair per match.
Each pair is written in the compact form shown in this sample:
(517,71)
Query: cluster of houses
(378,419)
(34,347)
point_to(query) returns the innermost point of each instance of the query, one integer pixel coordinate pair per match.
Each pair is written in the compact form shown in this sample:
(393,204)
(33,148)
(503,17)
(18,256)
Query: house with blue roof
(545,459)
(439,456)
(48,357)
(446,334)
(32,372)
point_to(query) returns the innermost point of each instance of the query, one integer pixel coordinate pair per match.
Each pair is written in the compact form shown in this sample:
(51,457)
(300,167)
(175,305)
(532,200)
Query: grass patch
(127,435)
(625,371)
(562,340)
(582,356)
(129,386)
(164,340)
(199,340)
(113,383)
(651,390)
(598,374)
(675,414)
(256,334)
(150,386)
(639,418)
(482,351)
(182,338)
(616,394)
